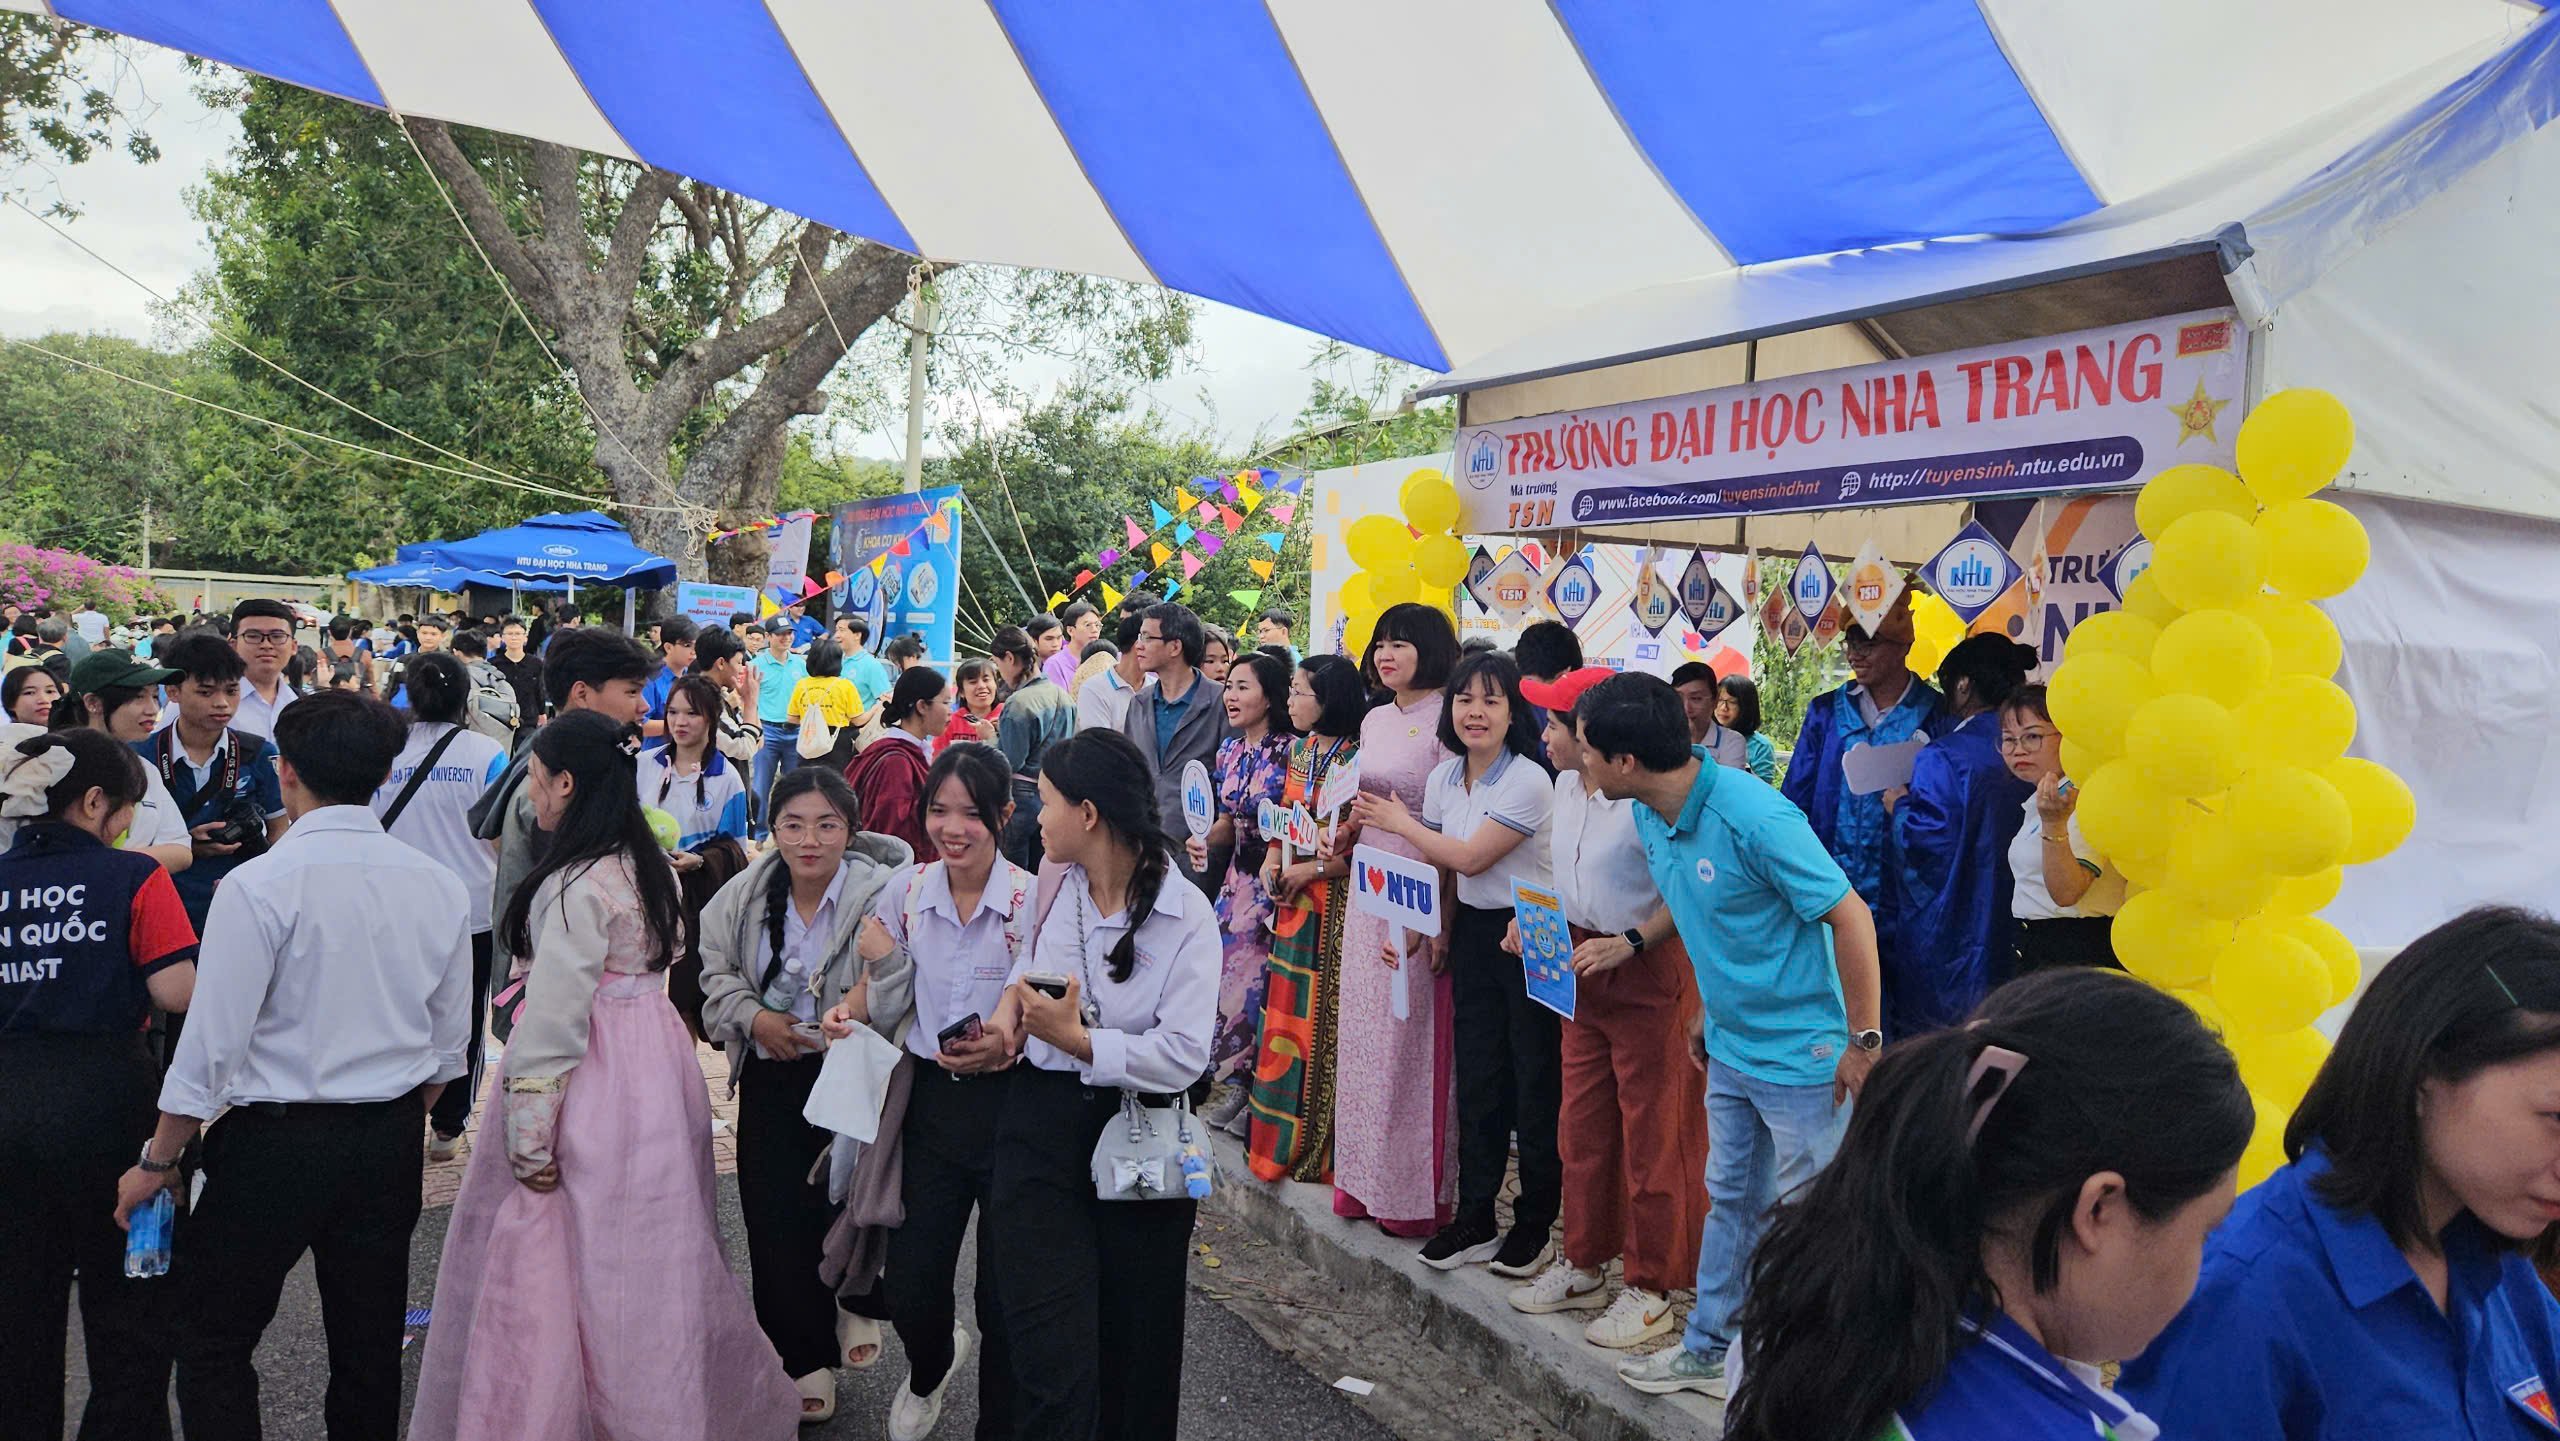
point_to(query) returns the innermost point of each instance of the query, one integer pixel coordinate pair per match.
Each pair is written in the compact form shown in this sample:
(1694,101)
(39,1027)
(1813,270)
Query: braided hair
(1106,770)
(829,784)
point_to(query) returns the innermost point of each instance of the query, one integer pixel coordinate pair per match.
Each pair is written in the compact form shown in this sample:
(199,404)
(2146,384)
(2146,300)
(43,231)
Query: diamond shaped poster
(1972,572)
(1812,586)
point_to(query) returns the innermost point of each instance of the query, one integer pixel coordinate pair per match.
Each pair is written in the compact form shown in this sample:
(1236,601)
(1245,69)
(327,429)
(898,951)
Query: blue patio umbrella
(452,579)
(582,547)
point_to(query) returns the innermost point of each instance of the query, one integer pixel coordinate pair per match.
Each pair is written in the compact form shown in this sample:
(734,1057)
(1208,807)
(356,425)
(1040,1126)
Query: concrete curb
(1540,1361)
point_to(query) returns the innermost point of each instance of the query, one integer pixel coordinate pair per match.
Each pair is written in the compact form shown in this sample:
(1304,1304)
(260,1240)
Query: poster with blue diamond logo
(1972,572)
(1574,591)
(1813,586)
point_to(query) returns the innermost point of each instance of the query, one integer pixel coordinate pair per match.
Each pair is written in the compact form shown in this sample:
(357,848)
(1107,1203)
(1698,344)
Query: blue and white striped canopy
(1427,178)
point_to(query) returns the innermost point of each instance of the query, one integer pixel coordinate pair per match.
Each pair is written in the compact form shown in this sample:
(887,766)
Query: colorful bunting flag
(1137,580)
(1227,489)
(1163,517)
(1251,497)
(1273,539)
(1083,578)
(1210,543)
(1246,598)
(1058,598)
(1107,559)
(1137,537)
(1184,500)
(1182,533)
(1172,588)
(1261,568)
(1228,518)
(1190,565)
(1110,598)
(1285,513)
(1293,484)
(1159,552)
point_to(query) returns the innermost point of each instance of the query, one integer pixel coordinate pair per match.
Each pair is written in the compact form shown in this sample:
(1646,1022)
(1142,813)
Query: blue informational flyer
(1546,948)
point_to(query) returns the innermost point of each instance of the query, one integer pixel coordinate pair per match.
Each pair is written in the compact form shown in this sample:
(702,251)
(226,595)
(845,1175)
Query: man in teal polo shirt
(778,674)
(1785,953)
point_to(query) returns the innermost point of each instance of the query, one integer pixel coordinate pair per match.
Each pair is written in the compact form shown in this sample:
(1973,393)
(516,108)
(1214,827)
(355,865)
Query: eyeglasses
(797,831)
(264,637)
(2025,741)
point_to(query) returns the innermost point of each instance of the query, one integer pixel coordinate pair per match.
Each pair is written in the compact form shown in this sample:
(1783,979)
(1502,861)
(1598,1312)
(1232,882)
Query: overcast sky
(1250,374)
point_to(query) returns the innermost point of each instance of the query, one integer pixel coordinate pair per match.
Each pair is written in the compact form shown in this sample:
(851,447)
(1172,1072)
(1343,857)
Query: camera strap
(226,750)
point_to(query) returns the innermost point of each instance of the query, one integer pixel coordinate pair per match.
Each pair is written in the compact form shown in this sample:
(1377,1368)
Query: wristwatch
(151,1167)
(1634,937)
(1869,1041)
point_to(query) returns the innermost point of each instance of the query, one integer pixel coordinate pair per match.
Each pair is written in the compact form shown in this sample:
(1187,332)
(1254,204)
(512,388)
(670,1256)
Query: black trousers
(452,1110)
(1507,1060)
(1093,1290)
(78,1110)
(340,1182)
(1021,843)
(2065,941)
(948,1169)
(787,1217)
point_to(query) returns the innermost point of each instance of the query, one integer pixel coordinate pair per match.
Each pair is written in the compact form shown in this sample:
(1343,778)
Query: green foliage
(67,581)
(82,452)
(63,98)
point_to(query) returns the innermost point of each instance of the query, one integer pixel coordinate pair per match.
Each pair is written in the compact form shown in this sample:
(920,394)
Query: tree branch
(487,223)
(633,228)
(564,228)
(865,287)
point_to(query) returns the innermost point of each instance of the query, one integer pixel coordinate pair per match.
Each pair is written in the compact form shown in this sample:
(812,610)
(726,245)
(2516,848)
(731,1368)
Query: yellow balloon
(2080,762)
(2296,720)
(2281,1066)
(1394,586)
(1441,560)
(2207,1009)
(2145,599)
(2304,640)
(2346,968)
(2295,442)
(2182,490)
(2184,745)
(2292,821)
(2268,982)
(2122,815)
(2216,653)
(1354,597)
(2303,895)
(1355,637)
(2314,549)
(2208,560)
(2380,802)
(2166,941)
(1378,542)
(2210,869)
(2123,632)
(1429,501)
(2265,1154)
(2092,696)
(2141,872)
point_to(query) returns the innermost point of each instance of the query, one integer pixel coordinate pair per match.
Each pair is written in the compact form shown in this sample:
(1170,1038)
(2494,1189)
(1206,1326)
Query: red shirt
(964,727)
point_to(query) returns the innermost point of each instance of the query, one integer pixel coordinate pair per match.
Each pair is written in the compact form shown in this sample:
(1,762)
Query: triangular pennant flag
(1138,580)
(1211,544)
(765,606)
(1273,539)
(1083,578)
(1293,484)
(1251,497)
(1228,518)
(1107,559)
(898,546)
(1246,598)
(1190,565)
(1159,552)
(1285,513)
(880,564)
(1137,537)
(1182,533)
(1110,598)
(1058,598)
(1172,588)
(1261,568)
(1163,517)
(1184,500)
(835,578)
(1227,489)
(1208,511)
(809,587)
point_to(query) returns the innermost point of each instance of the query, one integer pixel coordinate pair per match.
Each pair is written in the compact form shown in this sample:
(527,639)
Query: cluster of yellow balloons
(2209,745)
(1935,630)
(1397,564)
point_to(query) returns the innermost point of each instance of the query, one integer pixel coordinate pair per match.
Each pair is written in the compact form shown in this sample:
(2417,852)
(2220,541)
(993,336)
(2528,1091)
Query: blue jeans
(1763,1141)
(780,752)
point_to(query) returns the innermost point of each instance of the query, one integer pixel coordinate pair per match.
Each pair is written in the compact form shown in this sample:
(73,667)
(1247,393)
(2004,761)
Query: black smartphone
(1046,983)
(967,1028)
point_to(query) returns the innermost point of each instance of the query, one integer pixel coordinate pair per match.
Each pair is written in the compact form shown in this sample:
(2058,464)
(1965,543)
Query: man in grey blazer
(1176,718)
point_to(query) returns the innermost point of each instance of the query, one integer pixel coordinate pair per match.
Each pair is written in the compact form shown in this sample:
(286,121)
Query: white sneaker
(913,1417)
(441,1147)
(1637,1316)
(1561,1287)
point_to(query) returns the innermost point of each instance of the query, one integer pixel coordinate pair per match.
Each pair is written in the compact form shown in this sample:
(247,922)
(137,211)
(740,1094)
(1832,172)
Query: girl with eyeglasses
(2064,892)
(1946,862)
(790,939)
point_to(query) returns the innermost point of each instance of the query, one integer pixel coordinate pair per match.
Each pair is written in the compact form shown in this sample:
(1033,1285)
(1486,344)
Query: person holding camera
(222,779)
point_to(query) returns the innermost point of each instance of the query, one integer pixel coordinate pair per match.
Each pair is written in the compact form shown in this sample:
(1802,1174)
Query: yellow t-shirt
(833,695)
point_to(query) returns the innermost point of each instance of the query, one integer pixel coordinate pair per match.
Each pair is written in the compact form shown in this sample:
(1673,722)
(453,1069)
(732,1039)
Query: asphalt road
(1234,1384)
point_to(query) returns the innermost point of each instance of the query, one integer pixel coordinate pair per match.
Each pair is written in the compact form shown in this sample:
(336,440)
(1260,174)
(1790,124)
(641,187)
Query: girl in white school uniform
(962,918)
(1484,823)
(1092,1289)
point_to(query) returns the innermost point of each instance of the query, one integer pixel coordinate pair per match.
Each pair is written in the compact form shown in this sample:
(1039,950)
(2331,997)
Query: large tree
(63,96)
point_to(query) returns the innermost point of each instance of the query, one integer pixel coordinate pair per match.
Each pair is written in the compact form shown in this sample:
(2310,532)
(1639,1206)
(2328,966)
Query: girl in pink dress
(584,1292)
(1394,1157)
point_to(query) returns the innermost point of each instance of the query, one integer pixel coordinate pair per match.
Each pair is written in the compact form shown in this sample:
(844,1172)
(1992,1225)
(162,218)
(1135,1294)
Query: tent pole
(630,605)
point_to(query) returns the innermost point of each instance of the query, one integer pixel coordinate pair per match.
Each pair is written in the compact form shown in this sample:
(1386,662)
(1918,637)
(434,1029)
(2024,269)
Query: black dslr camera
(243,825)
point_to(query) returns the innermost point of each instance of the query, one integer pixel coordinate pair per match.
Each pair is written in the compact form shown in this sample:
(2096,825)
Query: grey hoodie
(736,947)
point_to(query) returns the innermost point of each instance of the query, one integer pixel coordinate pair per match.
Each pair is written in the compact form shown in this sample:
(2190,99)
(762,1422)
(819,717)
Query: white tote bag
(853,1083)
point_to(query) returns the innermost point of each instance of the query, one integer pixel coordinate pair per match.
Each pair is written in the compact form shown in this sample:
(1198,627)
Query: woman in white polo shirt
(1484,822)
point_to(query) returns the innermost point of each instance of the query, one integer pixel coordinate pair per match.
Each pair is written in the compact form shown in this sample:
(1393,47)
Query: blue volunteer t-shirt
(655,694)
(2004,1386)
(1748,884)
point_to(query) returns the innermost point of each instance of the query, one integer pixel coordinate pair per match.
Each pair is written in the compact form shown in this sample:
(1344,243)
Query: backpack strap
(418,777)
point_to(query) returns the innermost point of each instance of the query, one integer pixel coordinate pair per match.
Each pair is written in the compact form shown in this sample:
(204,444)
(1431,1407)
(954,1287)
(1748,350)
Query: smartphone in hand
(1047,983)
(967,1028)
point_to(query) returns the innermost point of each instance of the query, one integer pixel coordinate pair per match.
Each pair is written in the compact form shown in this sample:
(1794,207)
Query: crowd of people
(1847,1056)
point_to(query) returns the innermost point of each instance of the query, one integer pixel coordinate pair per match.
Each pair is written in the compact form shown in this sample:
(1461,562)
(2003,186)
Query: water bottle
(146,1245)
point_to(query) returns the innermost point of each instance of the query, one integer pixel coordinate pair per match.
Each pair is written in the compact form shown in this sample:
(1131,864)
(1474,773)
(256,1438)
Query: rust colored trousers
(1633,1128)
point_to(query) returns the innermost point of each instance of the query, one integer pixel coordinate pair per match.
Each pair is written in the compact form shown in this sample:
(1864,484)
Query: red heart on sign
(1377,879)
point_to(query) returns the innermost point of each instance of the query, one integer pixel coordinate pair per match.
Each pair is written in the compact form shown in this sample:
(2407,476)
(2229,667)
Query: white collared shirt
(1152,1030)
(961,965)
(1513,792)
(257,714)
(336,967)
(1103,702)
(1601,873)
(804,947)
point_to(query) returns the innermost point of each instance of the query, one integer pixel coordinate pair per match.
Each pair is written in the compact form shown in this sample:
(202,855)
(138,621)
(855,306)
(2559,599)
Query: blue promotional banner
(900,555)
(1546,948)
(709,605)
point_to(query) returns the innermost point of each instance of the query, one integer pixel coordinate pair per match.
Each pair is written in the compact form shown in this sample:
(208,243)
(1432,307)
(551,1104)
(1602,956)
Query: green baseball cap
(104,669)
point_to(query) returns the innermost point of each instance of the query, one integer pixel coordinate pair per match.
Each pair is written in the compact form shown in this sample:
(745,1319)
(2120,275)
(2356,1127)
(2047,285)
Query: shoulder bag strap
(418,777)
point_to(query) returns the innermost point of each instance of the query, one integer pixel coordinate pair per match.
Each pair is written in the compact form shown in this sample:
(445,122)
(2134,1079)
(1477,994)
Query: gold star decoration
(2197,414)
